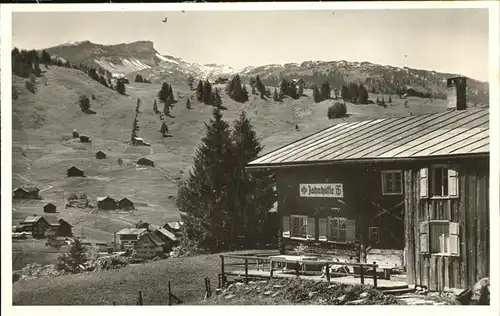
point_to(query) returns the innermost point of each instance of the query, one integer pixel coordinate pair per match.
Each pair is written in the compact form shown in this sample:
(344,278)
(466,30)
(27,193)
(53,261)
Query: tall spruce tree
(155,107)
(164,92)
(202,198)
(199,91)
(207,93)
(325,91)
(317,94)
(251,194)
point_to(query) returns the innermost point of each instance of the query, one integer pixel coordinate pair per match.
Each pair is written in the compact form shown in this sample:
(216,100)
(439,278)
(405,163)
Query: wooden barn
(149,246)
(146,162)
(125,204)
(84,139)
(49,208)
(75,172)
(100,155)
(129,236)
(36,225)
(27,192)
(106,203)
(418,184)
(75,134)
(62,228)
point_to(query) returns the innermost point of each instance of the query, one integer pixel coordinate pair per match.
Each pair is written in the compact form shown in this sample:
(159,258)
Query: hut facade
(75,172)
(49,208)
(416,184)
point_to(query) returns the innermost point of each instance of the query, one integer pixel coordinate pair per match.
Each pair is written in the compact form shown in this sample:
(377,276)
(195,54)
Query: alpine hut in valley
(418,184)
(75,172)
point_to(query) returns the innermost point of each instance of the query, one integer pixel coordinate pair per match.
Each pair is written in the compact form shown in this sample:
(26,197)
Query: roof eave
(251,167)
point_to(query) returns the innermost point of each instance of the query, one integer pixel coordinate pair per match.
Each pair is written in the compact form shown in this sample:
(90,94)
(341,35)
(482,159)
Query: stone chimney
(456,93)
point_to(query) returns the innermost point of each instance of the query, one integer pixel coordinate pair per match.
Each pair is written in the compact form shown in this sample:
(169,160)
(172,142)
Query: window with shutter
(311,228)
(452,183)
(424,237)
(322,222)
(286,226)
(424,183)
(454,246)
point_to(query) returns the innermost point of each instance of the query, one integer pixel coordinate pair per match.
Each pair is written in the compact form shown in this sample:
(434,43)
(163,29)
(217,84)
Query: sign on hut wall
(328,190)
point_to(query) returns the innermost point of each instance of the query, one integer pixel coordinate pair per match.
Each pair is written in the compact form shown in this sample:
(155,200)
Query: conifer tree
(75,258)
(362,97)
(164,92)
(251,194)
(253,90)
(188,104)
(390,98)
(155,107)
(199,91)
(325,91)
(190,81)
(164,129)
(120,87)
(202,198)
(45,58)
(344,94)
(261,88)
(207,93)
(300,91)
(275,95)
(317,94)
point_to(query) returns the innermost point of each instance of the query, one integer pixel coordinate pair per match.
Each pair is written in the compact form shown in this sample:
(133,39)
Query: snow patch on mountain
(166,59)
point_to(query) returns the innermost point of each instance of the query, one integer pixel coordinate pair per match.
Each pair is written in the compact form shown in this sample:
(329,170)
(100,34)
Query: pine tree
(325,91)
(300,91)
(207,93)
(120,87)
(261,88)
(390,98)
(199,91)
(188,104)
(317,94)
(75,258)
(102,81)
(36,69)
(138,106)
(275,95)
(217,99)
(202,198)
(283,88)
(236,90)
(250,194)
(155,107)
(382,102)
(362,94)
(163,94)
(252,82)
(45,58)
(378,100)
(253,90)
(171,93)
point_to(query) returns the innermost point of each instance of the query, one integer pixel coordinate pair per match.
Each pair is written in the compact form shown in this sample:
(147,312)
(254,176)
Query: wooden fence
(267,264)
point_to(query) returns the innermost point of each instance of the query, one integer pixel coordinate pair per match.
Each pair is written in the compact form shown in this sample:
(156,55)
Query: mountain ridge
(141,57)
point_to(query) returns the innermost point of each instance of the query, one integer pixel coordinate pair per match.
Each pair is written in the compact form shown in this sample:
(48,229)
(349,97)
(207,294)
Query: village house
(174,227)
(106,203)
(61,227)
(169,238)
(27,192)
(75,172)
(146,162)
(129,236)
(84,139)
(49,208)
(36,225)
(125,204)
(100,155)
(149,246)
(75,134)
(418,184)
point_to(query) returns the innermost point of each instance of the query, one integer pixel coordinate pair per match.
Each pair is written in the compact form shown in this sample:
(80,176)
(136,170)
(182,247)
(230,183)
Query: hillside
(43,148)
(142,58)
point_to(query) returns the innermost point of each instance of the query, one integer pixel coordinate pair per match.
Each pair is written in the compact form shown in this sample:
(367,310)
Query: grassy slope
(122,286)
(43,149)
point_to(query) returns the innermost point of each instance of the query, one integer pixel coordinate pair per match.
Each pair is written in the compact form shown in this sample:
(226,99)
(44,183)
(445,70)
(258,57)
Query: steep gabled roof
(445,134)
(166,233)
(132,231)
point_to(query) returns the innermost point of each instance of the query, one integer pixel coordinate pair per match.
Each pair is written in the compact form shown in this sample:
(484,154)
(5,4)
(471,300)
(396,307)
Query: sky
(445,40)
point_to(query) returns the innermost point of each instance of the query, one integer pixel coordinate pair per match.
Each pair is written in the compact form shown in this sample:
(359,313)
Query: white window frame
(329,229)
(377,228)
(444,180)
(293,234)
(432,238)
(383,178)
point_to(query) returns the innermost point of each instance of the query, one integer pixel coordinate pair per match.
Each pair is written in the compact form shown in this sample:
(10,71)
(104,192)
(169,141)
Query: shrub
(31,86)
(337,110)
(84,103)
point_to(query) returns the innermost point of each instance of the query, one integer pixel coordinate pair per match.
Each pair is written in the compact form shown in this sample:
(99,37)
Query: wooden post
(206,287)
(246,270)
(361,267)
(271,269)
(169,294)
(222,271)
(328,272)
(140,298)
(209,288)
(374,274)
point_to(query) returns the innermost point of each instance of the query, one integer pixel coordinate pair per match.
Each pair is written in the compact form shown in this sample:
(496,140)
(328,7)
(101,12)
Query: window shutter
(286,226)
(323,222)
(311,228)
(350,235)
(424,183)
(452,183)
(424,237)
(454,247)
